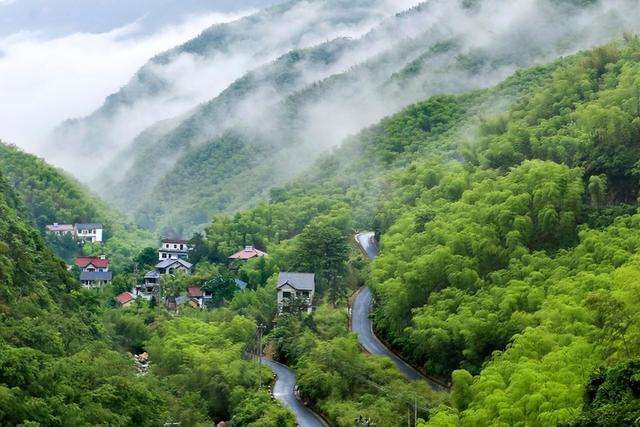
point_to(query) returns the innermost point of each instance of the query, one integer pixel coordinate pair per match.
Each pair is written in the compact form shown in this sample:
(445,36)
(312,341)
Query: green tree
(322,249)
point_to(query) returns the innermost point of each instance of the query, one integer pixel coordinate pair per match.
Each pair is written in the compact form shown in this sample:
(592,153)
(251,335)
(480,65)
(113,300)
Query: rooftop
(169,262)
(177,241)
(194,292)
(247,253)
(60,227)
(88,226)
(152,275)
(298,281)
(97,262)
(125,297)
(103,276)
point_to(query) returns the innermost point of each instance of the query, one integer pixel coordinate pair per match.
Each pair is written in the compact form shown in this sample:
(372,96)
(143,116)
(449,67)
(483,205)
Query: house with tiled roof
(94,271)
(93,263)
(125,299)
(81,232)
(292,286)
(152,278)
(93,279)
(249,252)
(60,229)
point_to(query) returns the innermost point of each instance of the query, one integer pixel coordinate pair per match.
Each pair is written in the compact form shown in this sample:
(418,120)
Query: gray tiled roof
(152,275)
(169,262)
(88,226)
(298,281)
(103,276)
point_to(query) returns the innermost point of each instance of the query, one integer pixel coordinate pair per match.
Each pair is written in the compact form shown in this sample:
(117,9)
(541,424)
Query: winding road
(361,322)
(284,391)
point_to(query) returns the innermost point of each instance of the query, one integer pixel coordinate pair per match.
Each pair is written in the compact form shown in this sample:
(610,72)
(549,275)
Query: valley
(380,214)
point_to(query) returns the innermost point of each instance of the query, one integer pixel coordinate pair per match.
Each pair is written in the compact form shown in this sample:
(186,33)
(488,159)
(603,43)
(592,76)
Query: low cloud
(44,81)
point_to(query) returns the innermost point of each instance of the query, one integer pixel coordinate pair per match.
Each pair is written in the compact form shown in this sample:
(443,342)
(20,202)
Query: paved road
(283,390)
(361,323)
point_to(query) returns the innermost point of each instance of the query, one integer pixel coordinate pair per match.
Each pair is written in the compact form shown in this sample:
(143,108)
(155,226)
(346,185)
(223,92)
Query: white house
(84,232)
(296,285)
(88,232)
(173,248)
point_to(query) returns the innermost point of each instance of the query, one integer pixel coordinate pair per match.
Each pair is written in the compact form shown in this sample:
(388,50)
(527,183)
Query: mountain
(509,236)
(271,124)
(176,81)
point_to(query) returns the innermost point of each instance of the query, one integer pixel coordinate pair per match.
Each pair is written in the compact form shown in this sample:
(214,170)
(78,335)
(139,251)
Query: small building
(88,232)
(81,232)
(296,286)
(249,252)
(172,266)
(92,263)
(196,294)
(148,287)
(173,248)
(93,279)
(125,299)
(60,229)
(152,278)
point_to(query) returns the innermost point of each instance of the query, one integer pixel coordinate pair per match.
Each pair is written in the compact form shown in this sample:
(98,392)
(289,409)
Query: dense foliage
(508,243)
(50,195)
(63,360)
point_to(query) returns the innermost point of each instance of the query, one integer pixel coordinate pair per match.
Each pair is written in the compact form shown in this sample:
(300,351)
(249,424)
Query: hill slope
(509,245)
(176,81)
(205,157)
(51,195)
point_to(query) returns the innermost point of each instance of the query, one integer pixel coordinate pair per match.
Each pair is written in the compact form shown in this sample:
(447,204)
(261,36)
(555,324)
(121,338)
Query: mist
(399,62)
(47,80)
(176,81)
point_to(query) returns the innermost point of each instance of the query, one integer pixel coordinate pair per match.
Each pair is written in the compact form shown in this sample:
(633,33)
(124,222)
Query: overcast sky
(59,59)
(60,17)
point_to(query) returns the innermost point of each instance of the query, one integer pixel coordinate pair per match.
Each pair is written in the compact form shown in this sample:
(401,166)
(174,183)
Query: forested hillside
(62,352)
(179,172)
(508,229)
(50,195)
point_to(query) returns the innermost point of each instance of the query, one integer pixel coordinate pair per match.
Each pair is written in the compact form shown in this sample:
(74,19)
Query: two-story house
(88,232)
(94,271)
(152,279)
(296,286)
(173,248)
(82,232)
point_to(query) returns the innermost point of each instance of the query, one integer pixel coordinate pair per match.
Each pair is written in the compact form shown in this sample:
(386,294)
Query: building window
(286,295)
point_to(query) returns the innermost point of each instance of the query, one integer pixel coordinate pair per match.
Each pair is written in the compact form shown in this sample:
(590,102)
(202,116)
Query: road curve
(361,322)
(284,391)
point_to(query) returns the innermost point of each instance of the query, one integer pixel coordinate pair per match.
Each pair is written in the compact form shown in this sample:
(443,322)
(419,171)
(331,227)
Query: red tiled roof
(124,297)
(247,253)
(194,292)
(97,262)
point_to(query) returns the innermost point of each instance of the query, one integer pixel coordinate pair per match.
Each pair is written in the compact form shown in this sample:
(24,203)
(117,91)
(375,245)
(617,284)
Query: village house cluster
(81,232)
(173,256)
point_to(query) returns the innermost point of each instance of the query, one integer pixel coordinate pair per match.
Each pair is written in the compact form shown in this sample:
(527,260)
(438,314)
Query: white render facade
(173,249)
